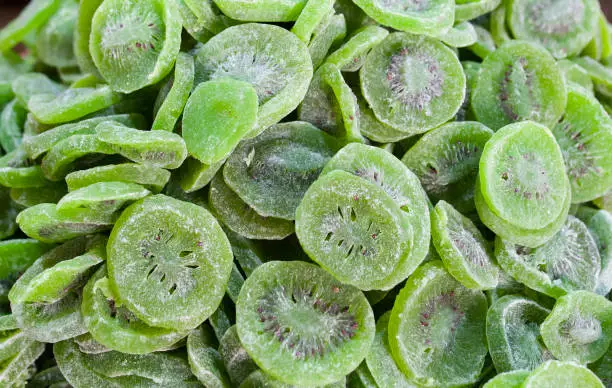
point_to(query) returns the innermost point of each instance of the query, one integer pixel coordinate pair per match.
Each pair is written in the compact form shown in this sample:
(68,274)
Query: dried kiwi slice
(204,359)
(82,32)
(446,161)
(172,102)
(12,120)
(585,138)
(28,85)
(312,15)
(54,39)
(177,254)
(271,58)
(353,229)
(437,329)
(522,175)
(461,35)
(102,197)
(471,9)
(153,178)
(261,10)
(563,27)
(519,81)
(579,328)
(568,262)
(237,361)
(302,326)
(30,19)
(600,227)
(412,82)
(135,43)
(513,379)
(554,374)
(195,175)
(272,172)
(331,31)
(513,333)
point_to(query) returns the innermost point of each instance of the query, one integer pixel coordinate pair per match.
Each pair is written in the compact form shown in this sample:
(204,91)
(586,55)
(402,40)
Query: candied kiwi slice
(522,175)
(204,359)
(195,175)
(585,138)
(465,253)
(82,33)
(568,262)
(519,81)
(175,251)
(262,10)
(553,374)
(579,328)
(102,197)
(54,40)
(563,27)
(412,82)
(472,9)
(172,103)
(34,15)
(135,43)
(271,58)
(330,338)
(272,172)
(446,161)
(600,227)
(513,379)
(153,178)
(312,15)
(238,362)
(353,229)
(437,329)
(513,334)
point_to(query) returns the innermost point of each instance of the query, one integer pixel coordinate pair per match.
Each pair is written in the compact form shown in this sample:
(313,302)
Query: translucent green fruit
(512,379)
(54,40)
(153,178)
(261,10)
(31,18)
(174,94)
(554,374)
(204,359)
(331,336)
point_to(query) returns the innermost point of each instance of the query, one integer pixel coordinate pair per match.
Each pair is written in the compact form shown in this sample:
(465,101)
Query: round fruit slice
(173,96)
(353,229)
(330,32)
(600,227)
(135,44)
(579,328)
(437,329)
(271,58)
(464,252)
(261,10)
(30,19)
(513,334)
(568,262)
(563,27)
(82,32)
(413,83)
(554,374)
(522,175)
(302,326)
(54,39)
(446,161)
(585,138)
(519,81)
(153,178)
(168,262)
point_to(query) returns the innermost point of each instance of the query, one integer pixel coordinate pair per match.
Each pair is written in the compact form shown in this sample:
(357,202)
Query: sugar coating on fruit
(517,97)
(555,17)
(582,329)
(405,6)
(455,162)
(354,234)
(130,32)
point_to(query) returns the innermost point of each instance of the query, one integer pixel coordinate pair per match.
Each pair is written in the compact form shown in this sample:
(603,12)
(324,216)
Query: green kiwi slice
(553,374)
(16,369)
(513,334)
(82,32)
(11,66)
(176,252)
(522,175)
(446,161)
(519,81)
(600,227)
(464,252)
(192,24)
(22,177)
(261,10)
(272,172)
(172,102)
(238,363)
(498,25)
(330,32)
(17,255)
(374,129)
(579,328)
(313,13)
(8,214)
(135,44)
(330,338)
(153,178)
(356,47)
(463,34)
(353,229)
(28,85)
(437,329)
(154,148)
(54,40)
(12,120)
(513,379)
(412,82)
(204,359)
(575,74)
(568,262)
(33,196)
(271,58)
(195,175)
(585,138)
(564,28)
(471,9)
(102,197)
(484,45)
(430,17)
(218,114)
(242,218)
(34,15)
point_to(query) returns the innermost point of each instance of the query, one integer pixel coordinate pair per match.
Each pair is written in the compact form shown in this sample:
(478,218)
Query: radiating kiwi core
(131,33)
(555,17)
(352,233)
(582,330)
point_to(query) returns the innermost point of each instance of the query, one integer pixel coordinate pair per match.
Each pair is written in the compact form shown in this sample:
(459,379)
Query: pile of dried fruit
(279,193)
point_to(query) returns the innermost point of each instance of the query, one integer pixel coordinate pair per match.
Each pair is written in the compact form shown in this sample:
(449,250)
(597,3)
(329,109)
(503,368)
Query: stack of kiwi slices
(306,193)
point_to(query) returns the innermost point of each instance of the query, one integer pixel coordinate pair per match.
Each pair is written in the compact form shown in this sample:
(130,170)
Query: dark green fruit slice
(31,18)
(331,31)
(242,218)
(464,252)
(413,83)
(153,178)
(272,172)
(512,379)
(274,60)
(28,85)
(168,261)
(153,148)
(312,15)
(579,328)
(135,44)
(192,24)
(554,374)
(172,102)
(22,177)
(513,334)
(585,137)
(471,9)
(437,329)
(353,229)
(430,17)
(238,363)
(114,326)
(54,39)
(600,227)
(446,161)
(568,262)
(261,10)
(8,213)
(218,114)
(330,338)
(564,28)
(205,361)
(522,175)
(12,120)
(102,197)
